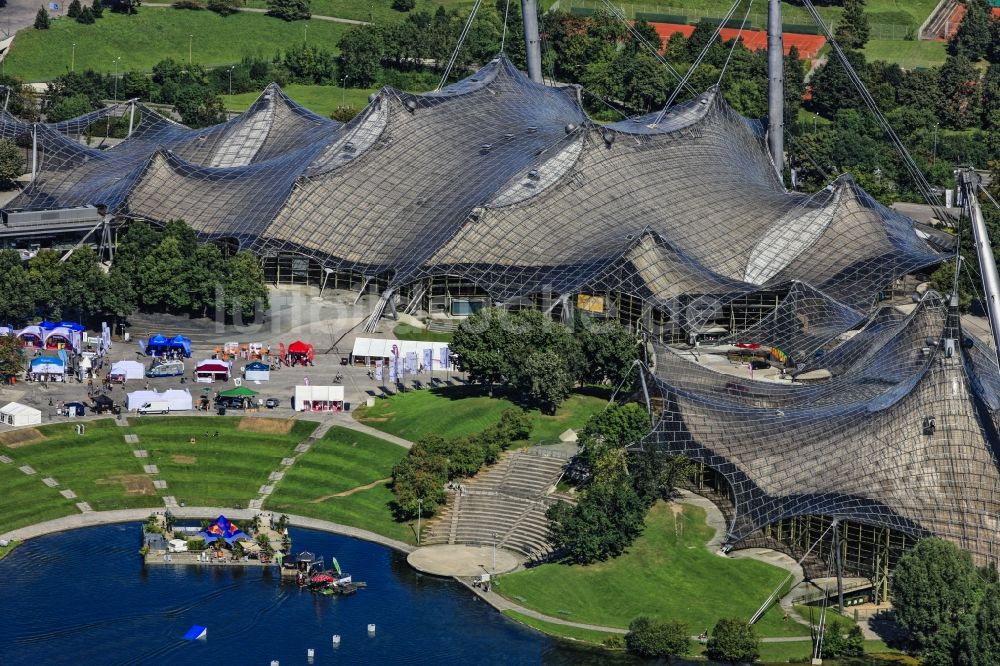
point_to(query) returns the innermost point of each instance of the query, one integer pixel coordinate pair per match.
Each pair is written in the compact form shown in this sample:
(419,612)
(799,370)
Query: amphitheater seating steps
(503,504)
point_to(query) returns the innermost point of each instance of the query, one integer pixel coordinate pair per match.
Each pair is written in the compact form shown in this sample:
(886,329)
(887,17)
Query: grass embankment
(667,573)
(319,99)
(907,54)
(6,550)
(329,482)
(225,469)
(153,34)
(380,11)
(98,466)
(454,411)
(407,332)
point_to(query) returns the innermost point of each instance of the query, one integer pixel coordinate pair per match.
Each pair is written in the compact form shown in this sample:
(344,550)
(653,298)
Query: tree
(42,19)
(161,277)
(17,302)
(86,16)
(973,37)
(656,475)
(289,10)
(832,87)
(980,641)
(360,59)
(853,30)
(934,586)
(83,282)
(74,9)
(653,639)
(125,6)
(480,343)
(958,81)
(224,7)
(733,640)
(547,380)
(11,356)
(205,277)
(608,348)
(418,484)
(11,162)
(606,520)
(404,5)
(244,286)
(45,274)
(69,107)
(119,297)
(97,8)
(613,428)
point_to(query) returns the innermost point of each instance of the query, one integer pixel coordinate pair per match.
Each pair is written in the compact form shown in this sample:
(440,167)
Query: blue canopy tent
(157,344)
(223,529)
(47,325)
(71,325)
(180,344)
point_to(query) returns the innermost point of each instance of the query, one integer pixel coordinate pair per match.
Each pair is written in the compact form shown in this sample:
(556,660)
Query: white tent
(128,369)
(177,546)
(256,372)
(16,414)
(369,350)
(319,398)
(178,400)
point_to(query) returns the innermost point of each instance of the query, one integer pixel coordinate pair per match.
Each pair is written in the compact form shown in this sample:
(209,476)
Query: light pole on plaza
(231,84)
(190,44)
(420,506)
(72,59)
(343,91)
(116,61)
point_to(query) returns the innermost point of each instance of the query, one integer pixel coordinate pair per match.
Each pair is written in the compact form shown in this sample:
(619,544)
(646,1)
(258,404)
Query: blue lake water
(84,597)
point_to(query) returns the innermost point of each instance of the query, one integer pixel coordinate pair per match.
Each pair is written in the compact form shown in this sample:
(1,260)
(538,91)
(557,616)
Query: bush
(733,640)
(654,639)
(289,10)
(97,8)
(42,19)
(224,7)
(403,5)
(74,9)
(188,4)
(86,16)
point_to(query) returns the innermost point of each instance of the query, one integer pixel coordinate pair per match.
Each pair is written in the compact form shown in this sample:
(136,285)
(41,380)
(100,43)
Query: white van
(156,406)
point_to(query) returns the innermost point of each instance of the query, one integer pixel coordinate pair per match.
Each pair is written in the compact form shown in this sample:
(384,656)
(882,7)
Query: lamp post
(190,44)
(326,277)
(494,554)
(72,59)
(934,155)
(231,84)
(305,33)
(343,91)
(815,118)
(420,506)
(116,61)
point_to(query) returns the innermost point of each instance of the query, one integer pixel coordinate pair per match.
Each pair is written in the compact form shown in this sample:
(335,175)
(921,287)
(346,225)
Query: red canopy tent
(299,347)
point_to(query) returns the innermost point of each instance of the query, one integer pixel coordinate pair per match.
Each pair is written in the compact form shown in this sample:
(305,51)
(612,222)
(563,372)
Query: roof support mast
(775,88)
(970,182)
(532,43)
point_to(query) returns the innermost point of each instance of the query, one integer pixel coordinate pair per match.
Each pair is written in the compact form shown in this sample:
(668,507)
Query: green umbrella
(238,392)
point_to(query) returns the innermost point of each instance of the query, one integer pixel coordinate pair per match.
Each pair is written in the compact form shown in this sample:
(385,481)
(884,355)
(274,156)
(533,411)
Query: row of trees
(950,608)
(732,640)
(418,480)
(153,270)
(538,360)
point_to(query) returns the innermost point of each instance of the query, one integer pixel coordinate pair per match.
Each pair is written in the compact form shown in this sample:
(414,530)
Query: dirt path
(346,493)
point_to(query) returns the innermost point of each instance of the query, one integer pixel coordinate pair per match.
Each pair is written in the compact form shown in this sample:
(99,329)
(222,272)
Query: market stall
(212,370)
(319,399)
(257,372)
(125,370)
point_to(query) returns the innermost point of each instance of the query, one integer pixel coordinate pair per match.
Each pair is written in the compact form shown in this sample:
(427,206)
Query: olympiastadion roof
(510,184)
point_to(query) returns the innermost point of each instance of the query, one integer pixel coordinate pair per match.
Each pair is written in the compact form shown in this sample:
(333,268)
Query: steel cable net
(510,185)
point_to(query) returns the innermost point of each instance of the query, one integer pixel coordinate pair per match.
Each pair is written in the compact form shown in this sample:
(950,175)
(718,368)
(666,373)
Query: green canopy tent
(238,392)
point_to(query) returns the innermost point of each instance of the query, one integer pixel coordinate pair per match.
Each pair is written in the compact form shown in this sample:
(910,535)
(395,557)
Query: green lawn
(882,14)
(559,630)
(459,410)
(341,461)
(407,332)
(908,55)
(6,550)
(25,500)
(321,99)
(380,11)
(224,470)
(98,466)
(153,34)
(667,573)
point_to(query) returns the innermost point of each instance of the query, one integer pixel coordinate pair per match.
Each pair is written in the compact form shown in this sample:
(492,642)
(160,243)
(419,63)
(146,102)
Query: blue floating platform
(196,633)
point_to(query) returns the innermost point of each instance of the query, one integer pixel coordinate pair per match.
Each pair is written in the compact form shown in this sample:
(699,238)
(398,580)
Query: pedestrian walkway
(257,10)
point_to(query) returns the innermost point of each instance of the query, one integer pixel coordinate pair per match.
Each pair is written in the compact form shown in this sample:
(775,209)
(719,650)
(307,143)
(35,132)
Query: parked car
(271,403)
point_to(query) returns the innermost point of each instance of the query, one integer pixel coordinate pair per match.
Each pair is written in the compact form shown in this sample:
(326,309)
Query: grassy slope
(667,573)
(87,464)
(343,459)
(407,332)
(559,630)
(25,500)
(455,411)
(380,11)
(908,55)
(154,34)
(321,99)
(228,469)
